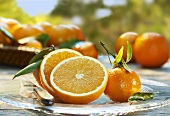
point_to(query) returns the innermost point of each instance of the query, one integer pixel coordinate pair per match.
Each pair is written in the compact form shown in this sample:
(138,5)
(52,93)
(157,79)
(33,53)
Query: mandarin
(151,50)
(59,34)
(86,48)
(47,27)
(12,23)
(122,84)
(79,35)
(26,30)
(3,38)
(30,42)
(122,41)
(122,81)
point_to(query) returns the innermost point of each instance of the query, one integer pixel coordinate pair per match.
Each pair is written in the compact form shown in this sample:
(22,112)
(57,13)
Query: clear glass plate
(101,106)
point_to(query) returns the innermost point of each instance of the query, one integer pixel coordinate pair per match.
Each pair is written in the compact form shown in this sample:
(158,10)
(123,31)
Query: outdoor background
(100,20)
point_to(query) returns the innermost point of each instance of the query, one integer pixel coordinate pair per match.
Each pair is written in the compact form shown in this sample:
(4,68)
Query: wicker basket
(16,56)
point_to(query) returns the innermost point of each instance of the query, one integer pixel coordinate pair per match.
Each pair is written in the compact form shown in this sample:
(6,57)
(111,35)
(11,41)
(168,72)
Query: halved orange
(49,62)
(37,77)
(79,80)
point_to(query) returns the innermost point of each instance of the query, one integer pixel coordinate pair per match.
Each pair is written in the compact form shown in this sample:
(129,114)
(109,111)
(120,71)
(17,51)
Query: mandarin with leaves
(122,81)
(151,50)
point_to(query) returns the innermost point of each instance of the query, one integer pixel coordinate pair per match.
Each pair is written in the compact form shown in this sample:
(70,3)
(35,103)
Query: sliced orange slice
(79,80)
(49,62)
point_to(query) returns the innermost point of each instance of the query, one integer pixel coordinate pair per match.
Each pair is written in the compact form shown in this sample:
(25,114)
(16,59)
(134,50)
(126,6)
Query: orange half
(49,62)
(79,80)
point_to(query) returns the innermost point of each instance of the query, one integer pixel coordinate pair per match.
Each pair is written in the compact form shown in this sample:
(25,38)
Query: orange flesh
(53,61)
(81,76)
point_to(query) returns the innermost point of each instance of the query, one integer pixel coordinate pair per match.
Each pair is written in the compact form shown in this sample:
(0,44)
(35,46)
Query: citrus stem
(108,52)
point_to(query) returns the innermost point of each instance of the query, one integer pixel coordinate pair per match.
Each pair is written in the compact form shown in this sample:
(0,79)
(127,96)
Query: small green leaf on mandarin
(119,55)
(129,52)
(125,66)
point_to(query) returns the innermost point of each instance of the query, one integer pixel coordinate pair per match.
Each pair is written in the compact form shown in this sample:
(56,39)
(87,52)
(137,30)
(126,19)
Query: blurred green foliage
(136,15)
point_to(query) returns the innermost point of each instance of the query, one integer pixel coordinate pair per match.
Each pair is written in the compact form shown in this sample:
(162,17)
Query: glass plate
(102,106)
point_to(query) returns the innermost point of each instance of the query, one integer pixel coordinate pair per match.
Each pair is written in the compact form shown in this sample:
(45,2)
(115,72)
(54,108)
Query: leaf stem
(108,52)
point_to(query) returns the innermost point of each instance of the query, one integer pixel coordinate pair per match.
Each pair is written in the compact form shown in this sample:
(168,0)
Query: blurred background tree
(101,20)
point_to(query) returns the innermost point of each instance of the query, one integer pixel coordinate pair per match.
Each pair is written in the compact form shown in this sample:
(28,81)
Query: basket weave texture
(16,56)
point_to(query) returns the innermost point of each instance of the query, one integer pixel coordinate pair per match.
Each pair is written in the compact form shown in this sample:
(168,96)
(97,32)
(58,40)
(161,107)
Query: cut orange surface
(49,62)
(79,80)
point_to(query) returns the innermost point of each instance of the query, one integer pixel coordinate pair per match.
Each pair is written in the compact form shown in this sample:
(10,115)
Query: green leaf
(30,68)
(6,33)
(43,38)
(119,56)
(140,96)
(69,43)
(125,66)
(129,52)
(41,54)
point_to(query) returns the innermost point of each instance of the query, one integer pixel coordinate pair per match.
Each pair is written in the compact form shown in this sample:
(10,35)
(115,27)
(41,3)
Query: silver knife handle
(43,96)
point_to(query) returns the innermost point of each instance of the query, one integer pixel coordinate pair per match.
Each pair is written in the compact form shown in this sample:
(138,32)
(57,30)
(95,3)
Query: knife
(41,95)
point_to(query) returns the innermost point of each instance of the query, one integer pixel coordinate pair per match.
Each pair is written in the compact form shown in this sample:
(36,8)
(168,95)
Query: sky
(37,7)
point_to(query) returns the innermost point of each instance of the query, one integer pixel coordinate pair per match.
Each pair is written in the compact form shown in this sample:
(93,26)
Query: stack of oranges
(150,49)
(26,35)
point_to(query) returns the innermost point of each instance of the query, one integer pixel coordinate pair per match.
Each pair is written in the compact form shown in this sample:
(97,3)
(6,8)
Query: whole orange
(59,34)
(27,30)
(12,23)
(78,32)
(122,41)
(151,50)
(169,51)
(30,42)
(86,48)
(122,84)
(3,38)
(47,27)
